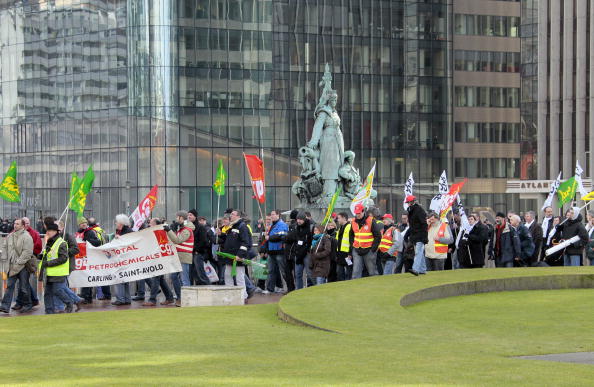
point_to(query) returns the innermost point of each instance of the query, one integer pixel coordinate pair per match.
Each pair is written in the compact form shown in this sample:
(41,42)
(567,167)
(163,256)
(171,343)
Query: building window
(487,25)
(487,132)
(475,96)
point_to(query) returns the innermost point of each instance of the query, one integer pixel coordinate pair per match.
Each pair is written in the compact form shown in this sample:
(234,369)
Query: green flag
(331,206)
(219,184)
(80,190)
(566,191)
(9,189)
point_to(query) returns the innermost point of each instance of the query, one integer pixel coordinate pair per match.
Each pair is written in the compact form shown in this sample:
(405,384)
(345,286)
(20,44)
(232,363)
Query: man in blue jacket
(277,263)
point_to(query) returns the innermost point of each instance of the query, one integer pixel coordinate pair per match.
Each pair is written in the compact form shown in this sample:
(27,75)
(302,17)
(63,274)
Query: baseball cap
(359,208)
(388,216)
(410,198)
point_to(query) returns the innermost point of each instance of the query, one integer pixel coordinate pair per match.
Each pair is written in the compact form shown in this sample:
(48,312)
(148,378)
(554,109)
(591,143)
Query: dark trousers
(344,272)
(201,277)
(87,293)
(290,275)
(156,283)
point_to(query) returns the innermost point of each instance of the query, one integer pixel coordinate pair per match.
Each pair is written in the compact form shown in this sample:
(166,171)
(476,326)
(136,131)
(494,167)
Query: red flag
(144,209)
(449,198)
(255,168)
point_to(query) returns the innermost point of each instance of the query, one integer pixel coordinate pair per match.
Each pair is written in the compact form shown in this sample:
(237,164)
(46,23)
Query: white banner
(408,189)
(578,178)
(135,256)
(549,201)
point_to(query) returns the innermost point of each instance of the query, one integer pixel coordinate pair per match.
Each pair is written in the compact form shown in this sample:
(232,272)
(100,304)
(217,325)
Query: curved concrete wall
(547,282)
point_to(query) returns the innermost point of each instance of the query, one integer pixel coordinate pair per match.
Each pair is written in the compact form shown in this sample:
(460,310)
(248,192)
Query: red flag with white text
(255,168)
(144,209)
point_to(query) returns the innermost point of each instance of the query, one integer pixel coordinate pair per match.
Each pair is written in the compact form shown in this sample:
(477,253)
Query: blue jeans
(571,260)
(52,290)
(320,280)
(123,292)
(157,282)
(389,266)
(176,281)
(24,295)
(185,274)
(277,265)
(58,304)
(300,268)
(249,285)
(419,264)
(368,259)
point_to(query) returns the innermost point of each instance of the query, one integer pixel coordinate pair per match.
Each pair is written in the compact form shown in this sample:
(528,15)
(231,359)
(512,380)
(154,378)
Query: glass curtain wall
(158,91)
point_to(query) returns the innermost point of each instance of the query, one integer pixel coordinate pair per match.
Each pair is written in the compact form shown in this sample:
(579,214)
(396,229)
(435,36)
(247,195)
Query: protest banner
(135,256)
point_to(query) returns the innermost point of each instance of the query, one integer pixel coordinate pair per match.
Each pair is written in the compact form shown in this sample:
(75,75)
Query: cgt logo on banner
(135,256)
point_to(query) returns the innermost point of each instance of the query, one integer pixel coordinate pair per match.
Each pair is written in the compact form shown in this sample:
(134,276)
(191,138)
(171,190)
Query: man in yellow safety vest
(439,236)
(54,268)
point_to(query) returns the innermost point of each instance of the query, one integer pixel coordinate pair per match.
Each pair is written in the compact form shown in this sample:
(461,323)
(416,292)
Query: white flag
(552,192)
(464,223)
(443,189)
(578,178)
(408,189)
(365,191)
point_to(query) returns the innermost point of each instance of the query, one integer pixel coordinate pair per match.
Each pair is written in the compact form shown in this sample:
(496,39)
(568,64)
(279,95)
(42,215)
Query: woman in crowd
(321,255)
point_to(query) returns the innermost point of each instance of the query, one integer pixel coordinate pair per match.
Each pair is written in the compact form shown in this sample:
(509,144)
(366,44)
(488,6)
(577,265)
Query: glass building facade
(157,91)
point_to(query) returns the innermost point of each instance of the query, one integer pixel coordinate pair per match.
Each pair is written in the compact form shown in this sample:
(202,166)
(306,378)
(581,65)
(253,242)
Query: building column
(580,84)
(567,88)
(543,90)
(554,84)
(590,171)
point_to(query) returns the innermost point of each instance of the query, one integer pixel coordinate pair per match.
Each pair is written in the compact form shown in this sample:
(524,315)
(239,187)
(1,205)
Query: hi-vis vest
(386,241)
(55,271)
(188,245)
(363,235)
(344,244)
(440,248)
(100,233)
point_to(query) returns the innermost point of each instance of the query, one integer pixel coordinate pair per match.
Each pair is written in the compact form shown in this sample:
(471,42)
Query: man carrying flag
(9,189)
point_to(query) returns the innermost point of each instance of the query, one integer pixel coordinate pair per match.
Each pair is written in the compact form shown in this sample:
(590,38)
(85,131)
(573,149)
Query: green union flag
(331,206)
(566,191)
(79,190)
(9,189)
(219,184)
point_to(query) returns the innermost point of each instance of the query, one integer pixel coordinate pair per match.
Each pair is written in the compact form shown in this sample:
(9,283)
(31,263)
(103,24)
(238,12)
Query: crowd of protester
(297,252)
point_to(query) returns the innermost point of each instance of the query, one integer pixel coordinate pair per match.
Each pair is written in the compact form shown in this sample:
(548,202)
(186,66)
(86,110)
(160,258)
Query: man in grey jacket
(19,250)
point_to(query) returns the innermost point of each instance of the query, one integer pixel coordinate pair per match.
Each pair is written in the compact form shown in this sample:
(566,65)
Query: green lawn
(457,341)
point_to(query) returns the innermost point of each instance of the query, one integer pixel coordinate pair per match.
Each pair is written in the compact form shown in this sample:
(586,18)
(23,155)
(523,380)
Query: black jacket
(471,252)
(571,228)
(298,241)
(417,221)
(535,230)
(237,242)
(72,251)
(202,244)
(125,230)
(90,236)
